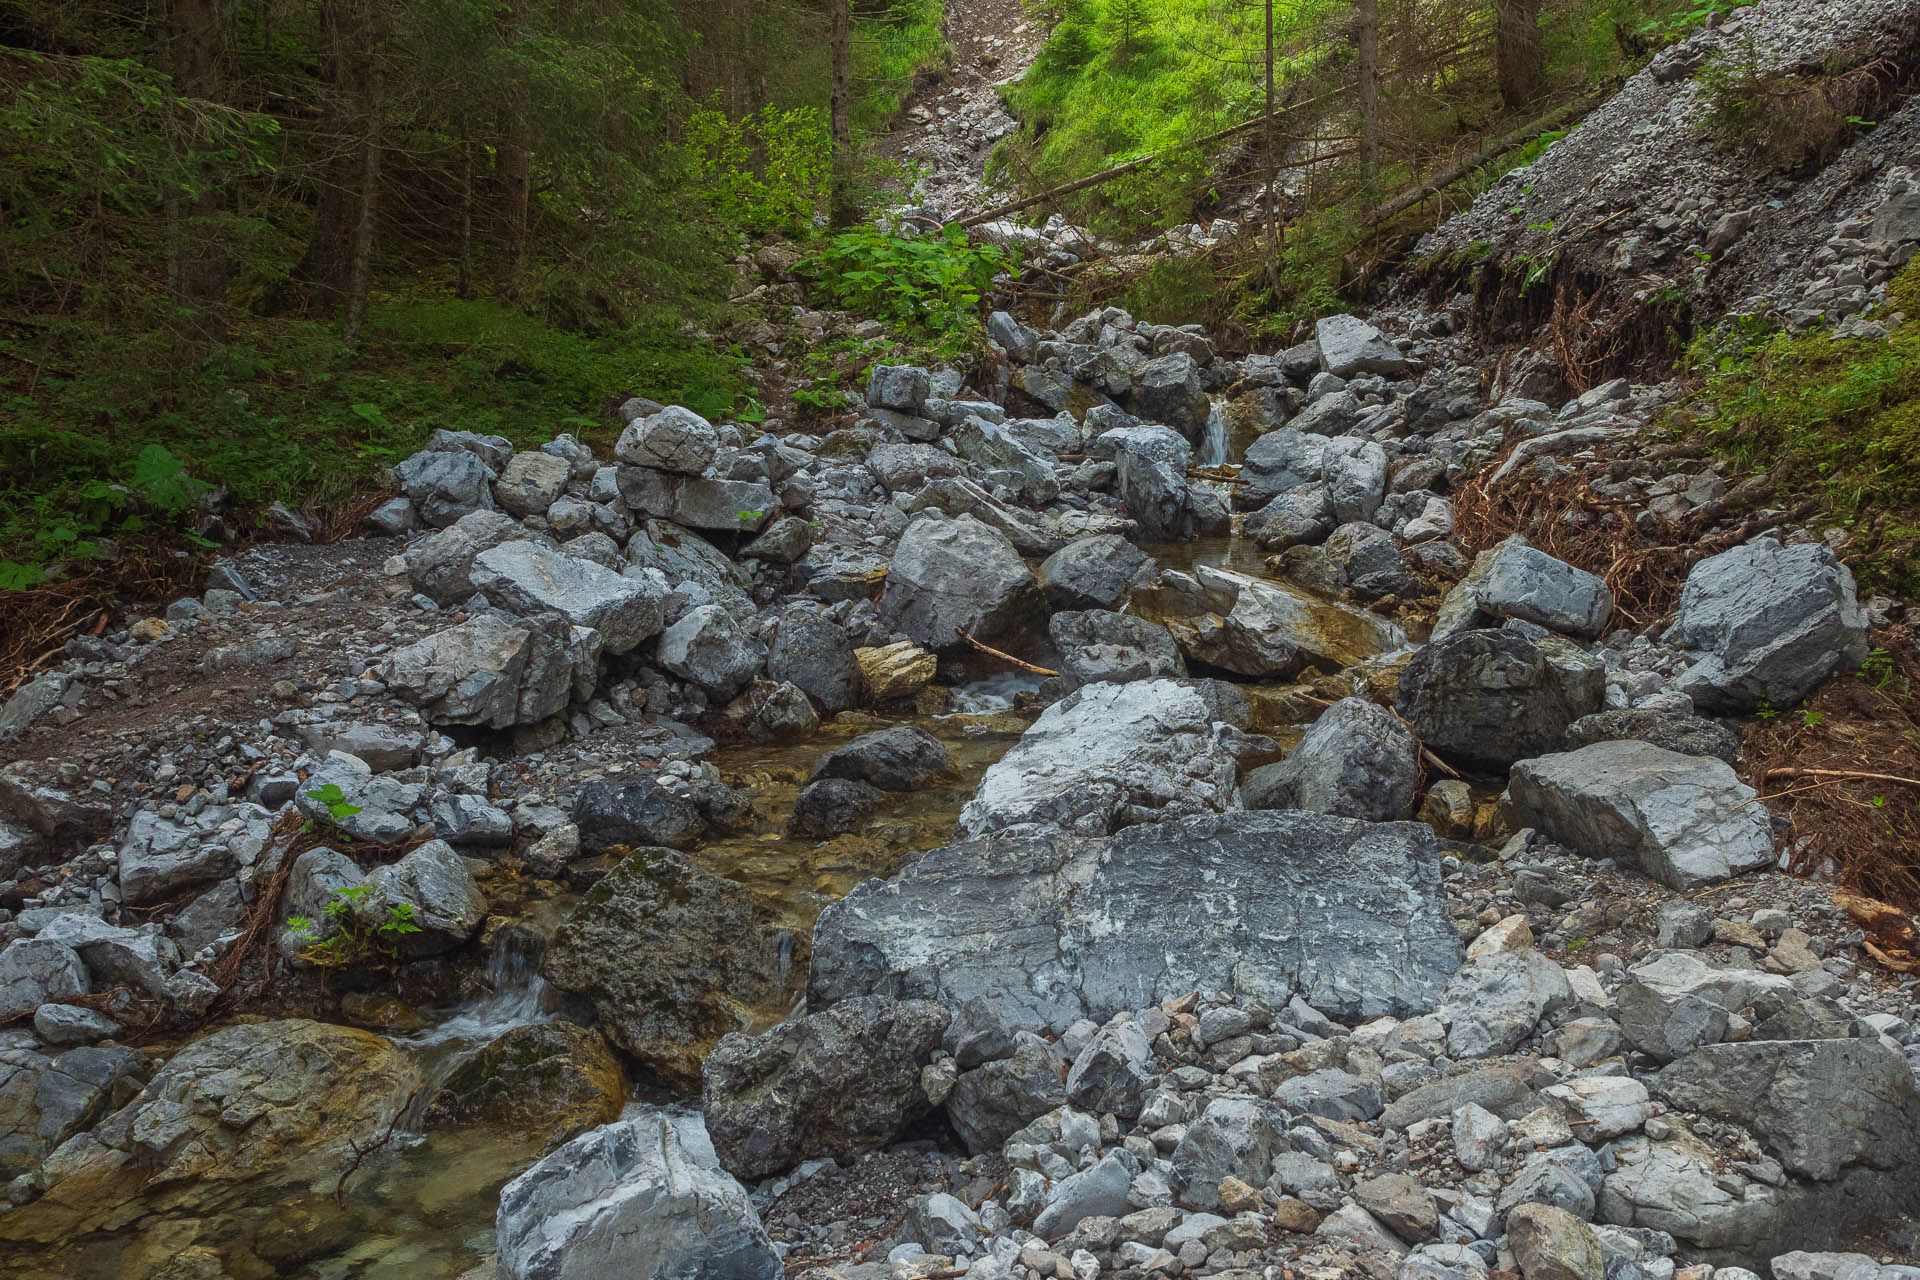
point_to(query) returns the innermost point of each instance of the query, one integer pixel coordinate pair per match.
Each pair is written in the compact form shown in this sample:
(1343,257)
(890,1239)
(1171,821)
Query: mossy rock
(552,1079)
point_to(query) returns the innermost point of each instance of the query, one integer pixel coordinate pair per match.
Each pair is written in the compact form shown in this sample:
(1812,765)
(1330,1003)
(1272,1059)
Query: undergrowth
(1837,418)
(284,411)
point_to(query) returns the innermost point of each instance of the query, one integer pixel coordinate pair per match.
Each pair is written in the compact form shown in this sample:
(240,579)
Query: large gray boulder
(1356,475)
(698,502)
(432,885)
(905,466)
(36,971)
(837,1083)
(1157,496)
(1105,757)
(1098,647)
(1686,821)
(902,388)
(674,439)
(632,1199)
(445,485)
(264,1104)
(670,959)
(1494,1004)
(1167,390)
(903,758)
(1091,573)
(1357,761)
(1050,929)
(532,577)
(995,1100)
(1489,698)
(438,565)
(1819,1105)
(48,1097)
(1349,345)
(699,571)
(531,482)
(713,651)
(1676,1002)
(1766,624)
(1280,462)
(491,670)
(1112,1075)
(816,653)
(1525,583)
(1233,1138)
(949,576)
(1006,461)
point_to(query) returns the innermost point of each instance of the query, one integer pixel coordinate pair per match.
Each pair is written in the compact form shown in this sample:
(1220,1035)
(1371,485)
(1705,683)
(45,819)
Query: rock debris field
(1305,919)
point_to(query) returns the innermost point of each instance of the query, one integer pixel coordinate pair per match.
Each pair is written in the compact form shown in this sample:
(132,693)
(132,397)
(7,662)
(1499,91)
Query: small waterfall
(518,997)
(1212,451)
(992,695)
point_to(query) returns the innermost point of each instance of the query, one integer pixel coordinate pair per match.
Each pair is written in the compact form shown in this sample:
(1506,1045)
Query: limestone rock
(632,1199)
(1107,756)
(674,439)
(1766,624)
(1349,345)
(1347,914)
(837,1083)
(1357,761)
(1488,698)
(531,578)
(488,670)
(1819,1105)
(709,648)
(1686,821)
(956,575)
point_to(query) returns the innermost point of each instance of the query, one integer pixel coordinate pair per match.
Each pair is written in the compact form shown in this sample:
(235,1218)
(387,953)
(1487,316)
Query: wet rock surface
(1171,987)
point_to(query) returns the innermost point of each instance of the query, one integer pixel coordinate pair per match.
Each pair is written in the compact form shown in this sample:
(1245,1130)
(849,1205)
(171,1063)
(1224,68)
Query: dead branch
(1004,657)
(1480,159)
(1790,772)
(360,1153)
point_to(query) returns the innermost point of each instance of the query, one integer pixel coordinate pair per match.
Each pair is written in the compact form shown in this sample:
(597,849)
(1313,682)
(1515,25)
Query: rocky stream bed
(1092,815)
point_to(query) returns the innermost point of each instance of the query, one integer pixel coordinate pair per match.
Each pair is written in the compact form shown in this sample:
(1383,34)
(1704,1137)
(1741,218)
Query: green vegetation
(1838,418)
(342,938)
(928,286)
(1791,120)
(263,252)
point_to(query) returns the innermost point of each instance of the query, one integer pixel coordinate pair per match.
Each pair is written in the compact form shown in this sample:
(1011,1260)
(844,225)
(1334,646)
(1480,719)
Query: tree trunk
(360,274)
(840,114)
(1273,164)
(321,276)
(1366,17)
(464,286)
(198,264)
(513,169)
(1518,55)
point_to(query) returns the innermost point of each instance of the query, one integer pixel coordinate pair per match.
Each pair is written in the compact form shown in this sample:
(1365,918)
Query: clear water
(1213,450)
(423,1208)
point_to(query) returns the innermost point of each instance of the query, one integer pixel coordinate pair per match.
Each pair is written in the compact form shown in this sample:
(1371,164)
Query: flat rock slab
(1049,929)
(1686,821)
(531,577)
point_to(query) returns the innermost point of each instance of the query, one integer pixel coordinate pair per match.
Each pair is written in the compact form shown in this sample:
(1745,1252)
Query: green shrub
(931,286)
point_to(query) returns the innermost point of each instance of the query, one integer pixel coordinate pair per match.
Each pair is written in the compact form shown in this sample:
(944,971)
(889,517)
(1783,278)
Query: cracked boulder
(1049,929)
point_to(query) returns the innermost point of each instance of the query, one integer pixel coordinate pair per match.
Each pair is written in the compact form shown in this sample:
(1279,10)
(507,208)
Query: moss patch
(1829,418)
